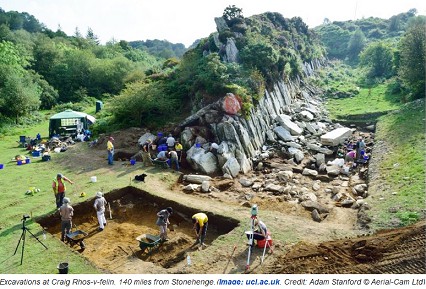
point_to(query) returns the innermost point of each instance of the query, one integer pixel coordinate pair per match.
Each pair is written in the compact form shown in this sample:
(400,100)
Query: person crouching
(99,206)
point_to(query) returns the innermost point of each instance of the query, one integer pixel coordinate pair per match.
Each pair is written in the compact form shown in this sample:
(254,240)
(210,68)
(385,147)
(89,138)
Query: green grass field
(369,101)
(402,166)
(15,181)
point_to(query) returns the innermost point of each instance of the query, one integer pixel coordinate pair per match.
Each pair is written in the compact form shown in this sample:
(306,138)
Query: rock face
(290,115)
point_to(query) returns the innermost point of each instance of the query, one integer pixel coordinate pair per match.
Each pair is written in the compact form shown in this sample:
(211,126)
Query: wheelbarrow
(77,237)
(160,163)
(148,242)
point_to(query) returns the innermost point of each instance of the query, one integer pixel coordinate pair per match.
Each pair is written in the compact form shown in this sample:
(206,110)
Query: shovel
(110,213)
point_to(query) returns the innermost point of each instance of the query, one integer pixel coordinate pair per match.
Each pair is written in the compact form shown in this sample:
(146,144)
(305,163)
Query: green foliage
(356,45)
(10,55)
(402,168)
(408,218)
(16,21)
(246,100)
(378,58)
(159,48)
(212,74)
(412,63)
(336,35)
(348,97)
(142,104)
(261,56)
(336,40)
(232,12)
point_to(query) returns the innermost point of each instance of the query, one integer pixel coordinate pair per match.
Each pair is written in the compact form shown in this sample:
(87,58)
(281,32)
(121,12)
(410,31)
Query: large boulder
(306,115)
(231,51)
(283,133)
(220,24)
(146,137)
(296,153)
(231,104)
(203,161)
(196,179)
(319,149)
(231,167)
(336,136)
(285,121)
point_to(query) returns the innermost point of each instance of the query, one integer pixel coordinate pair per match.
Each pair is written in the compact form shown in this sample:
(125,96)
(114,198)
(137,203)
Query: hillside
(246,88)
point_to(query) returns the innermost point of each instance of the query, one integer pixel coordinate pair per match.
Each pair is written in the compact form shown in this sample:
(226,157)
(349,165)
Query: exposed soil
(301,245)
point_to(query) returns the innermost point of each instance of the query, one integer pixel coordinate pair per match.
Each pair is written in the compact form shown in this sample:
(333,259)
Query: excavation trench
(133,213)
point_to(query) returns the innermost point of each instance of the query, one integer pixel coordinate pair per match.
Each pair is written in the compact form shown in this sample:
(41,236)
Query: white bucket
(93,179)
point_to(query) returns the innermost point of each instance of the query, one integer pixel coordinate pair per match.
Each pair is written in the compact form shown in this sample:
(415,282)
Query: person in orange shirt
(59,188)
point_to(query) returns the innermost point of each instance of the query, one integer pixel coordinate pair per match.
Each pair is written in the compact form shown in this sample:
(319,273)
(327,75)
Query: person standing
(99,206)
(59,188)
(170,142)
(360,147)
(110,148)
(66,212)
(163,221)
(179,149)
(200,221)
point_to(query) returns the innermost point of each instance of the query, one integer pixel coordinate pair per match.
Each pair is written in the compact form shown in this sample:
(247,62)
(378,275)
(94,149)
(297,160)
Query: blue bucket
(162,147)
(132,162)
(1,166)
(27,160)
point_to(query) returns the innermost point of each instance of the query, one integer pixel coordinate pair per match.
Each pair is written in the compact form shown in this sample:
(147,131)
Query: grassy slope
(15,181)
(368,101)
(400,187)
(401,167)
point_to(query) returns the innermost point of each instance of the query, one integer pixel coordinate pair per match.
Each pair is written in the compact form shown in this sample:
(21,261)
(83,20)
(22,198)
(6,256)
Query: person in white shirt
(170,142)
(99,206)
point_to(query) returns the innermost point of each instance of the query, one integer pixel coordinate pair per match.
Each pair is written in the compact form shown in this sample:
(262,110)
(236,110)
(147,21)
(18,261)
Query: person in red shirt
(59,188)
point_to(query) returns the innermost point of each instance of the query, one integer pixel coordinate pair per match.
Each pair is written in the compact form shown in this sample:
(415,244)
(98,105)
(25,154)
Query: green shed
(69,122)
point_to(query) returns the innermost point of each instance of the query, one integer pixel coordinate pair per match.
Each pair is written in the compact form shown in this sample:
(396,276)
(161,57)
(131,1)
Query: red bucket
(267,241)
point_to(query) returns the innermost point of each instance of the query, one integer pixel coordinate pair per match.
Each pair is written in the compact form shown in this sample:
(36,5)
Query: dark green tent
(68,122)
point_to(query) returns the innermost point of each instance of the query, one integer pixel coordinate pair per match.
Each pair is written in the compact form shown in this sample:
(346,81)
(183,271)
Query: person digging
(200,221)
(163,221)
(66,212)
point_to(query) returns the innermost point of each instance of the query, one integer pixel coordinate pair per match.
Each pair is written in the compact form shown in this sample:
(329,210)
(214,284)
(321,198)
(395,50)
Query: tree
(232,12)
(18,93)
(377,57)
(356,45)
(335,40)
(142,104)
(92,37)
(262,56)
(412,62)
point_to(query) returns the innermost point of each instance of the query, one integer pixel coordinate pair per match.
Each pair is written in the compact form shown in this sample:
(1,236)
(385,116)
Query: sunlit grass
(402,167)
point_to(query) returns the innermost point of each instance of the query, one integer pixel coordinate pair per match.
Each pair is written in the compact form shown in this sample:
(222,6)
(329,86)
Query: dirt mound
(123,140)
(398,251)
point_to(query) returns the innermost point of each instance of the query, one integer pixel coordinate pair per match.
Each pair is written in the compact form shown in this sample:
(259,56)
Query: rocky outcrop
(289,116)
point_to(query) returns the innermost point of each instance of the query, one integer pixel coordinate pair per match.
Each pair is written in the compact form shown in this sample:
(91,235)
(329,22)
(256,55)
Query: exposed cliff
(288,115)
